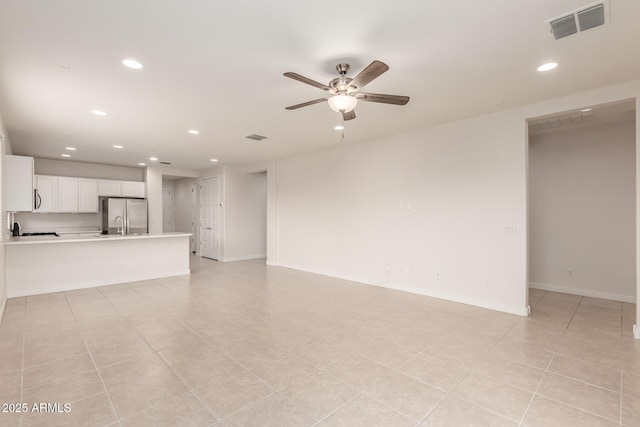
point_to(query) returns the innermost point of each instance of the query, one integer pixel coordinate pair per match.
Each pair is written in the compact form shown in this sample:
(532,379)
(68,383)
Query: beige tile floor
(241,344)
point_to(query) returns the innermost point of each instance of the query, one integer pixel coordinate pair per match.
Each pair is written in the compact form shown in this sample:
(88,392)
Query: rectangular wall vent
(165,163)
(579,20)
(255,137)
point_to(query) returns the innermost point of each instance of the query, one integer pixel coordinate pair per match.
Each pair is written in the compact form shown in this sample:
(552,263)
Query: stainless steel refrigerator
(124,216)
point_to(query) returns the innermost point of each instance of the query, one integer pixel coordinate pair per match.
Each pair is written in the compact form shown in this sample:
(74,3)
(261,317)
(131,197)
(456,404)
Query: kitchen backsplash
(60,222)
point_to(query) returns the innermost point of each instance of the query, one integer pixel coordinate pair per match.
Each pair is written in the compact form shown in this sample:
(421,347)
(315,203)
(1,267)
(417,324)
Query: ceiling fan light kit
(342,103)
(345,91)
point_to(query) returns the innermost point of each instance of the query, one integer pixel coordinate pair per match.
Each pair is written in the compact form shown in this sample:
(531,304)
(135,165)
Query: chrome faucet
(121,228)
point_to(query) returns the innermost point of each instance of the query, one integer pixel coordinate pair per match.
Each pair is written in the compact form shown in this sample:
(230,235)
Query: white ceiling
(217,67)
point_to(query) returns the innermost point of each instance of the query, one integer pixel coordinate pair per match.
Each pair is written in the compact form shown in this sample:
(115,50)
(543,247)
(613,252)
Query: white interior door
(167,226)
(209,218)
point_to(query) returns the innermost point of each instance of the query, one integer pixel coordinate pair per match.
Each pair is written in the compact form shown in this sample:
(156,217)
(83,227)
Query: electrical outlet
(486,284)
(511,231)
(437,275)
(570,272)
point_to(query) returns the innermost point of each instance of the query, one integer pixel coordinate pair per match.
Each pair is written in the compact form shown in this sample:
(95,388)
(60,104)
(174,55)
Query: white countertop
(83,237)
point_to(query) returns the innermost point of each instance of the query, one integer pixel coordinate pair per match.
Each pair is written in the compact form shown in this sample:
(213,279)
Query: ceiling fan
(344,92)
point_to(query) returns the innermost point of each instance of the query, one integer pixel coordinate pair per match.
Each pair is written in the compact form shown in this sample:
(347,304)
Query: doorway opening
(582,219)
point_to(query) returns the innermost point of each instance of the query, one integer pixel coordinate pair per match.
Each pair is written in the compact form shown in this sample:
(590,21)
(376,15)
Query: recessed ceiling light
(70,148)
(339,128)
(142,164)
(193,132)
(584,110)
(99,113)
(214,160)
(119,147)
(132,63)
(153,159)
(65,155)
(548,66)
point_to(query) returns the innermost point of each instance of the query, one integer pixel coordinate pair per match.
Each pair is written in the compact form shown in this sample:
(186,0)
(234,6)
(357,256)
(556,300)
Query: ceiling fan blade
(305,104)
(349,115)
(373,70)
(307,80)
(385,99)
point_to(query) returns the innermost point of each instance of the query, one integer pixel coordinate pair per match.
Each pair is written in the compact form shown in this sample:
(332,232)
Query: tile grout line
(535,393)
(442,399)
(106,392)
(621,396)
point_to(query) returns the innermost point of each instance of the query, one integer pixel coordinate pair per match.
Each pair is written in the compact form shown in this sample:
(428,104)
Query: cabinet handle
(39,200)
(35,199)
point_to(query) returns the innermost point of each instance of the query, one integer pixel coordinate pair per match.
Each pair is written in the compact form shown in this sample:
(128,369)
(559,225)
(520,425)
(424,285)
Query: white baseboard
(244,258)
(583,292)
(73,287)
(512,309)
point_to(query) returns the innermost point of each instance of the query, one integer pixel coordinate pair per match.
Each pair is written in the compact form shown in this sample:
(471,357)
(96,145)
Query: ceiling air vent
(563,27)
(165,163)
(591,17)
(579,20)
(255,137)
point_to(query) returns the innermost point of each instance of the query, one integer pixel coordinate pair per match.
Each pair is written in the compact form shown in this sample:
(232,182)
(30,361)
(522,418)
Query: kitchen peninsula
(45,264)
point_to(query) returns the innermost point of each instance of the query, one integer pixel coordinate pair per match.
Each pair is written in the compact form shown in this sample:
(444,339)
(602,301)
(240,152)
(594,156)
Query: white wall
(87,170)
(154,198)
(345,211)
(424,212)
(582,211)
(245,206)
(61,222)
(5,148)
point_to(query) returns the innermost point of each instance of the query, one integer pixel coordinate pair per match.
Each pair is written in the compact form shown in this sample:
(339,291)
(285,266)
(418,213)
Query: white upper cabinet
(67,194)
(46,193)
(19,179)
(77,195)
(109,188)
(132,189)
(87,195)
